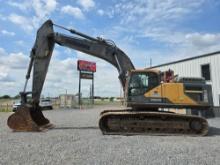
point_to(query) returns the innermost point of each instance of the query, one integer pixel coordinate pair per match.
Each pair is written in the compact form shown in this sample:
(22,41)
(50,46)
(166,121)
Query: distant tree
(17,96)
(111,99)
(5,97)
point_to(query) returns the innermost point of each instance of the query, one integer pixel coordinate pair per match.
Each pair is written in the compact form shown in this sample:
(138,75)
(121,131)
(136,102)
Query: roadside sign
(86,71)
(84,75)
(83,65)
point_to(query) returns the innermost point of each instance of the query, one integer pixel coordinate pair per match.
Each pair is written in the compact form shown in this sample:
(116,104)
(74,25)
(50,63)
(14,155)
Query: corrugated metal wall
(192,68)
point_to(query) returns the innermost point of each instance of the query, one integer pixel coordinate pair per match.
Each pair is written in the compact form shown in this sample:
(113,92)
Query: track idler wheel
(26,119)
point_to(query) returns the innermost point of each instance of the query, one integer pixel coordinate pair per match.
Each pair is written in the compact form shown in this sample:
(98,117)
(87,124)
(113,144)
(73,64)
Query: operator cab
(140,82)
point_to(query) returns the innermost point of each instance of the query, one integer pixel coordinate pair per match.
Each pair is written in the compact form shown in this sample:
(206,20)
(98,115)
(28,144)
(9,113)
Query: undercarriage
(127,122)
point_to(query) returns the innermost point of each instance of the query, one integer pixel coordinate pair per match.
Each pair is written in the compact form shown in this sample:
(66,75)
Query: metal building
(207,66)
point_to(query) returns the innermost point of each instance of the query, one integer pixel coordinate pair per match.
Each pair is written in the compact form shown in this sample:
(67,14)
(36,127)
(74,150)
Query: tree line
(9,97)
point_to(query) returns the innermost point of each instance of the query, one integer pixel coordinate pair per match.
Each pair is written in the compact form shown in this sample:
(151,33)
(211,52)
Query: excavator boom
(44,45)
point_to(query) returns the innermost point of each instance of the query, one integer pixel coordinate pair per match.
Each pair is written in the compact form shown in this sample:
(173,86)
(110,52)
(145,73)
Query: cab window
(142,82)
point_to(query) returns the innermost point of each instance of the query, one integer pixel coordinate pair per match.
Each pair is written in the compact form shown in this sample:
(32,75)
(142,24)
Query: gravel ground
(78,140)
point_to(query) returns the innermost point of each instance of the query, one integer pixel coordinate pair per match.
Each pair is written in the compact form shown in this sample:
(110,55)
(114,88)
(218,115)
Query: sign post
(79,94)
(86,71)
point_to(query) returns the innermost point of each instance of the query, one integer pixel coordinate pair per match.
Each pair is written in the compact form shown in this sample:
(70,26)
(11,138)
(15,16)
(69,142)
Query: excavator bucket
(28,119)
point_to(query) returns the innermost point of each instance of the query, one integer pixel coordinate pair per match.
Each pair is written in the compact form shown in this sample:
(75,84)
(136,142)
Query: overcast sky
(164,30)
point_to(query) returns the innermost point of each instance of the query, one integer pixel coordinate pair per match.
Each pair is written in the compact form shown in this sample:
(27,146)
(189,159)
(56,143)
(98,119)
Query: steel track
(123,122)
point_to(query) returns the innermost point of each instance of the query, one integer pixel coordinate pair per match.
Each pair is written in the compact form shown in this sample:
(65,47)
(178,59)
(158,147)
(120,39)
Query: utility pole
(65,99)
(150,62)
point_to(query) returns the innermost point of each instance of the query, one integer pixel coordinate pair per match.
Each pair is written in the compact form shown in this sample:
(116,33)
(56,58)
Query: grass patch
(5,110)
(107,103)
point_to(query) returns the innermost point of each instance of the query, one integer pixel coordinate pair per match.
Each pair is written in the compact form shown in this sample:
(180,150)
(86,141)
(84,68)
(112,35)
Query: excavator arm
(44,45)
(29,117)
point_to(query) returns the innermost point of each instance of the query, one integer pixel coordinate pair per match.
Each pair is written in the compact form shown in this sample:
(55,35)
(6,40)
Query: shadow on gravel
(213,131)
(76,128)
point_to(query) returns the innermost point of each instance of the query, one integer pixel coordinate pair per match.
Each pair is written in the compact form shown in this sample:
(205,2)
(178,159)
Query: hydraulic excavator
(147,92)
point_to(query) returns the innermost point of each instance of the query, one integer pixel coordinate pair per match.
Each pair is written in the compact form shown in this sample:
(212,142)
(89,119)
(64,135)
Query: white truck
(46,104)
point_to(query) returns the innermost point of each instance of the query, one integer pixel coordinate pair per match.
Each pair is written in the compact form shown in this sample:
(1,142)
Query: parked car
(46,104)
(15,106)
